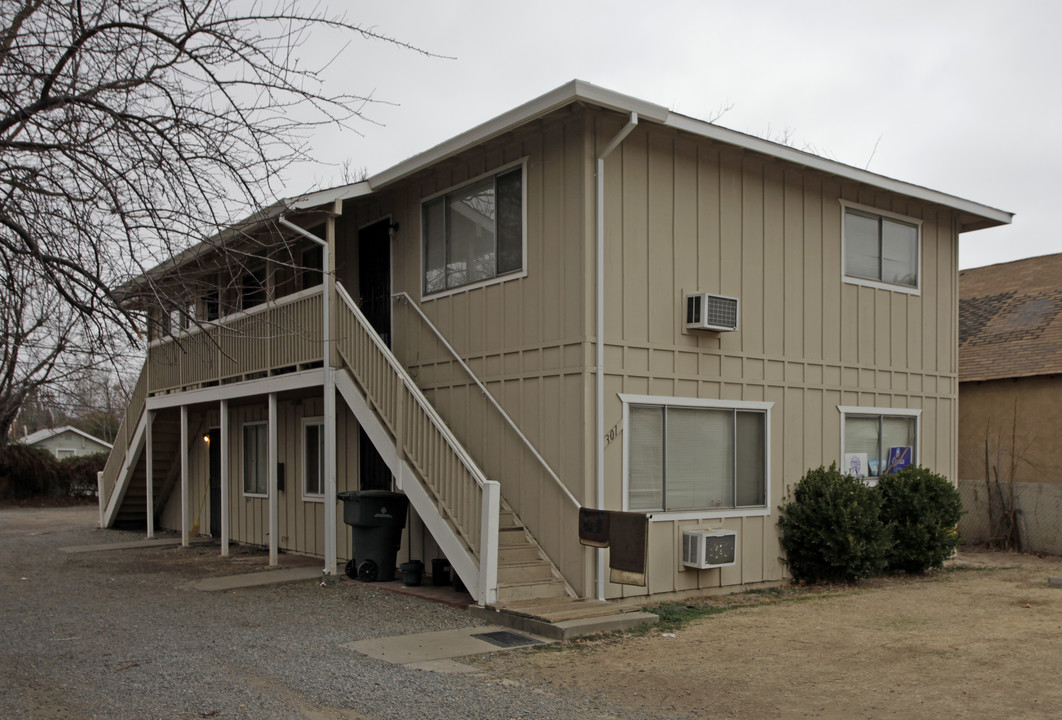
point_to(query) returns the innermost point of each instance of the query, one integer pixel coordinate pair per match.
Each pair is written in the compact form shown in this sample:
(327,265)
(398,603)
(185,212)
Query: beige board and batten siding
(524,335)
(686,215)
(301,522)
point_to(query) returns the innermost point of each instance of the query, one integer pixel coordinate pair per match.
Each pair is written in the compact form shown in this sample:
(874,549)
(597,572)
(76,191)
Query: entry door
(374,286)
(215,482)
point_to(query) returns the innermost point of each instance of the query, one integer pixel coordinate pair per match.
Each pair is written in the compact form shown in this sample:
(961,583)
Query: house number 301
(612,434)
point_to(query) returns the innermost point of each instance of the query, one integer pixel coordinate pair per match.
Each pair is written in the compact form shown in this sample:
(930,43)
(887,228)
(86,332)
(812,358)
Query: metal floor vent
(507,639)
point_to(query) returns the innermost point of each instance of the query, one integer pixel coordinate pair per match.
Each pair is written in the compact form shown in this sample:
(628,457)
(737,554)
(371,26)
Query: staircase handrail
(416,392)
(487,394)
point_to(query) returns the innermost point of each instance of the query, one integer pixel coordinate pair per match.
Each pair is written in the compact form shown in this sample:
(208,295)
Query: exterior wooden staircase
(524,572)
(166,472)
(484,540)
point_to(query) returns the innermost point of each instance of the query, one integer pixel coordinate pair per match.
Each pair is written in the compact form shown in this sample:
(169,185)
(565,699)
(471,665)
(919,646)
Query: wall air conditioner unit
(705,311)
(704,549)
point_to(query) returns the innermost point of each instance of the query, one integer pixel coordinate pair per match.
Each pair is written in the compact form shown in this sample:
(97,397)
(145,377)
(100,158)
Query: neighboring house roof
(972,215)
(41,435)
(1010,319)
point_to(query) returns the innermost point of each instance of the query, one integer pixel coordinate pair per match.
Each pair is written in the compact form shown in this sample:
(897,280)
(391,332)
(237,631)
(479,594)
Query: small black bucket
(440,572)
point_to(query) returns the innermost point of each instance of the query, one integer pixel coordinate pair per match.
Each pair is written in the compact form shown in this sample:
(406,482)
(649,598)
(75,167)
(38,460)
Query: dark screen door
(215,482)
(374,285)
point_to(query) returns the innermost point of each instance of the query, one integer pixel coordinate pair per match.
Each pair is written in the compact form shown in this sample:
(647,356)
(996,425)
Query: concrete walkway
(133,544)
(273,576)
(435,650)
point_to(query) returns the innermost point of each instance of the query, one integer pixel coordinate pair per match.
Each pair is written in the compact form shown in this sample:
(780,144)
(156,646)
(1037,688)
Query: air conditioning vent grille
(705,311)
(720,311)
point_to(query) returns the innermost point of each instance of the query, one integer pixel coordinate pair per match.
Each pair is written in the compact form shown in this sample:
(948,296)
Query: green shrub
(831,528)
(921,511)
(27,472)
(77,475)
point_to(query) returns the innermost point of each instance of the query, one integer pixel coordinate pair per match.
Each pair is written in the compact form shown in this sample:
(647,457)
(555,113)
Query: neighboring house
(66,442)
(1010,403)
(560,251)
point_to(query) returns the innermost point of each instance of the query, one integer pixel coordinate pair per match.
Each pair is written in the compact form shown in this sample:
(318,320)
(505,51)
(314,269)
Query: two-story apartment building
(507,329)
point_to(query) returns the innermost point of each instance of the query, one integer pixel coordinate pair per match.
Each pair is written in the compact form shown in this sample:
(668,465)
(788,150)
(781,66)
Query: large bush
(831,528)
(29,472)
(78,475)
(921,511)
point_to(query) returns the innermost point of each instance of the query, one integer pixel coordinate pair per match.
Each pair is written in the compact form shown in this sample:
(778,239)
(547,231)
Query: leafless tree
(131,130)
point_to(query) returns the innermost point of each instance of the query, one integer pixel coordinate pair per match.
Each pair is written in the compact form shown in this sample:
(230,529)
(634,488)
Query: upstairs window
(475,233)
(881,249)
(253,287)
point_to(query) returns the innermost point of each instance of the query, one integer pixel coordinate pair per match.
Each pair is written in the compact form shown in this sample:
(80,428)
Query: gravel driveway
(118,635)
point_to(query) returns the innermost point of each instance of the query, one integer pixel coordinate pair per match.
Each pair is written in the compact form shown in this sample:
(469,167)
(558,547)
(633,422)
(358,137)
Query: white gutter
(599,370)
(329,392)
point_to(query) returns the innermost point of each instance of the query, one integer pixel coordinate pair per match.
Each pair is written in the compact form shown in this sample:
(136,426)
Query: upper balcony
(274,337)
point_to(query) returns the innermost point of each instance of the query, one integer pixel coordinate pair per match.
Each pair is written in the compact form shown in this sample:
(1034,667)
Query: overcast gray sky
(962,97)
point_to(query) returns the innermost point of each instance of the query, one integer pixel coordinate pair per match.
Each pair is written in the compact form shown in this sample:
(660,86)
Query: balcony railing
(278,335)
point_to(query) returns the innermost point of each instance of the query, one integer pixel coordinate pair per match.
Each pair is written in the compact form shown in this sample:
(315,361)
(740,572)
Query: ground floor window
(876,441)
(313,454)
(688,454)
(255,438)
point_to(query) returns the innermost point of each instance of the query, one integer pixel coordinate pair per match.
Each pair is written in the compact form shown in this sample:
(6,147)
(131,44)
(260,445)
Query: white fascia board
(574,91)
(330,196)
(983,215)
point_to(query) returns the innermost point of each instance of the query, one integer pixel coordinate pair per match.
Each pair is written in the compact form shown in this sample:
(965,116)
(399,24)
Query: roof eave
(574,91)
(975,216)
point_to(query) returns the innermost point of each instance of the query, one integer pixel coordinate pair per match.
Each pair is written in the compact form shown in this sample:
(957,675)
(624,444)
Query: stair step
(527,590)
(524,572)
(508,537)
(517,554)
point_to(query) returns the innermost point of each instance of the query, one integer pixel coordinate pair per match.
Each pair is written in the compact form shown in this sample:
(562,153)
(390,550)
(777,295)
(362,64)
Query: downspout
(600,357)
(329,390)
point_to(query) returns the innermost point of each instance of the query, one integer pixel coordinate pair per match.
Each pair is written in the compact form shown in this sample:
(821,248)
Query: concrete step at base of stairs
(564,618)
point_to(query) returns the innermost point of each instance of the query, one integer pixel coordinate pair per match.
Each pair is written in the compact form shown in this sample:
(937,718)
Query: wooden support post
(271,467)
(183,452)
(149,468)
(224,478)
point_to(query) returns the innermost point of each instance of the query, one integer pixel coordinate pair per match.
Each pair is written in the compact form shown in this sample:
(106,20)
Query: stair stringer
(126,472)
(480,578)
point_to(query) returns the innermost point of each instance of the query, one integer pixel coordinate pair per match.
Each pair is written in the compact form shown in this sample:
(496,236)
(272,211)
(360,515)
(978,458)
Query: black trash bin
(377,517)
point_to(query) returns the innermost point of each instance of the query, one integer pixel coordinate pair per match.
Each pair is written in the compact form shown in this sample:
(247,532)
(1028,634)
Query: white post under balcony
(271,468)
(224,451)
(327,286)
(183,452)
(149,472)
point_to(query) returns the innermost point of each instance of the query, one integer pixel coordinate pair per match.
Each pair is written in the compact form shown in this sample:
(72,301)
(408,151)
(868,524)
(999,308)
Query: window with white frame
(255,437)
(881,248)
(876,441)
(474,233)
(695,455)
(313,443)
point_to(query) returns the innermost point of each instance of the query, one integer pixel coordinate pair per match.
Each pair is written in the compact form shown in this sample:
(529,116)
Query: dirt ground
(982,639)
